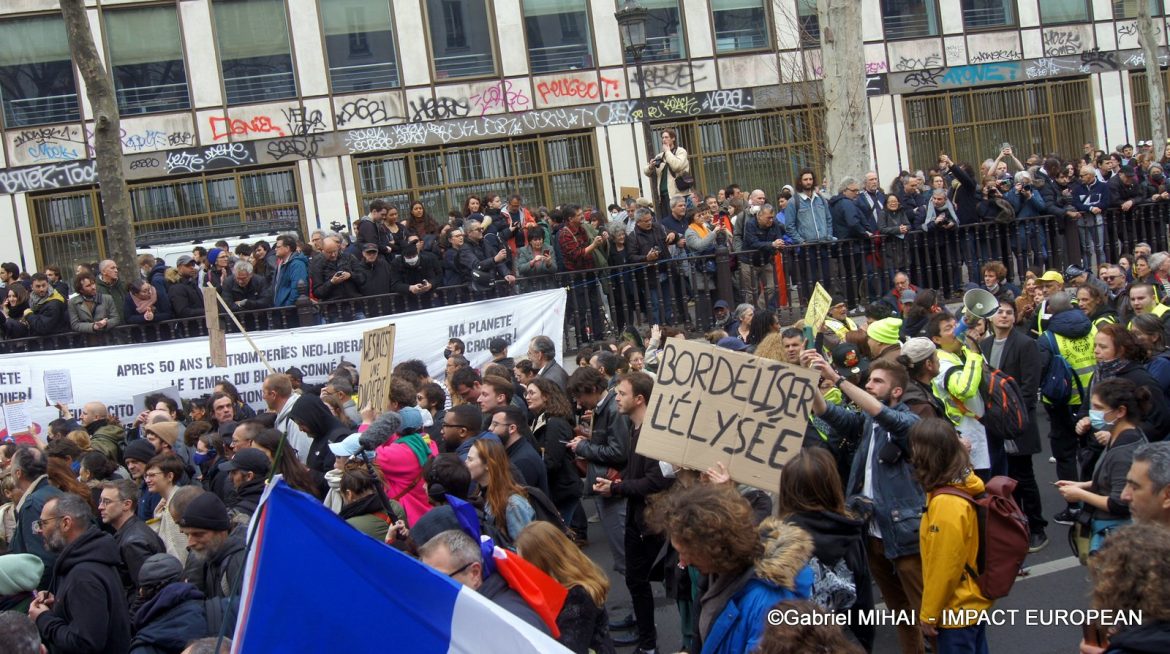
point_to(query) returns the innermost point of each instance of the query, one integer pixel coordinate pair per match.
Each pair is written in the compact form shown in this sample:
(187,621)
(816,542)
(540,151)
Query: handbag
(1080,536)
(684,182)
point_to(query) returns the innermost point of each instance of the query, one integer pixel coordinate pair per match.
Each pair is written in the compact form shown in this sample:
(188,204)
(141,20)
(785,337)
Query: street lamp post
(631,20)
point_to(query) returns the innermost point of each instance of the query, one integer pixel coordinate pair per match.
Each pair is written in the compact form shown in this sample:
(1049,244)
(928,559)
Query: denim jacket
(808,221)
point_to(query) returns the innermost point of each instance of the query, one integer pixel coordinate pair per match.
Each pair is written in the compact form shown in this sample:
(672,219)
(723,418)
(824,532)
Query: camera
(337,226)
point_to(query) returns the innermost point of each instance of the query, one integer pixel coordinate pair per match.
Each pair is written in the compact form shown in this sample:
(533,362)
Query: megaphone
(980,303)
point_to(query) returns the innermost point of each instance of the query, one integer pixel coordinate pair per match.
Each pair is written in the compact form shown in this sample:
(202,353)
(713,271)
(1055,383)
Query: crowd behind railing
(632,265)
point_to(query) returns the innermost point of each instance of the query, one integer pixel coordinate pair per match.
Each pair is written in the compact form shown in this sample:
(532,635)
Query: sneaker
(1065,517)
(1037,542)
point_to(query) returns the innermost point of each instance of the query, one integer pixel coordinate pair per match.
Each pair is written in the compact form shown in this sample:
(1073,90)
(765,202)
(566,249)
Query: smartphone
(808,337)
(1005,146)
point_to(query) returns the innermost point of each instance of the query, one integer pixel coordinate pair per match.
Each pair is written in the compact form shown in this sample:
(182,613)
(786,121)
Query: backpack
(1005,414)
(1004,411)
(1057,385)
(546,511)
(1006,214)
(1003,536)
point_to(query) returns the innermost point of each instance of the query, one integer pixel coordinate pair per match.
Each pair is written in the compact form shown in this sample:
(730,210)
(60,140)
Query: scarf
(362,506)
(419,444)
(1107,369)
(35,301)
(701,229)
(141,305)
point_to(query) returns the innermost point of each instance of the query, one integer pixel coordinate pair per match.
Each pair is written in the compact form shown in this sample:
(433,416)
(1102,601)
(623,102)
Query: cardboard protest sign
(376,365)
(818,307)
(710,404)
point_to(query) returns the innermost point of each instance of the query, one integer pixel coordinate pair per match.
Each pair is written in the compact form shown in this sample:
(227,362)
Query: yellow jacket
(958,389)
(948,537)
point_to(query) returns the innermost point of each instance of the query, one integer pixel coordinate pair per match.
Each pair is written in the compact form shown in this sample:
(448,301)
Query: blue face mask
(76,465)
(201,457)
(1098,422)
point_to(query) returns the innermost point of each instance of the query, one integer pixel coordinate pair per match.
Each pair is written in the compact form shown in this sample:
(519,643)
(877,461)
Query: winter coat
(186,298)
(377,277)
(376,232)
(321,271)
(841,580)
(28,511)
(1055,203)
(82,318)
(400,467)
(284,287)
(733,610)
(1084,198)
(527,268)
(965,195)
(1150,638)
(220,572)
(1026,205)
(368,516)
(49,315)
(641,478)
(117,290)
(641,241)
(523,456)
(872,212)
(584,625)
(170,620)
(551,434)
(898,498)
(90,613)
(458,264)
(403,276)
(761,241)
(949,543)
(1120,192)
(915,205)
(848,221)
(674,163)
(136,543)
(255,295)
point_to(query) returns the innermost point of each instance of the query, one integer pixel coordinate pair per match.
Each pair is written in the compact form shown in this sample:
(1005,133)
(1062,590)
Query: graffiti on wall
(1058,42)
(668,77)
(503,96)
(46,177)
(221,127)
(364,110)
(44,144)
(197,160)
(569,87)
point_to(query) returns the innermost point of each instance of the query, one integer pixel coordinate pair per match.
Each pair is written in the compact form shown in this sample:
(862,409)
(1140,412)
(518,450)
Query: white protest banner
(58,387)
(114,374)
(818,307)
(16,419)
(377,362)
(711,404)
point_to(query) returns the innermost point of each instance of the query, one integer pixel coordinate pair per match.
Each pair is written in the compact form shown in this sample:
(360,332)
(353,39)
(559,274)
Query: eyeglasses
(445,425)
(462,569)
(39,525)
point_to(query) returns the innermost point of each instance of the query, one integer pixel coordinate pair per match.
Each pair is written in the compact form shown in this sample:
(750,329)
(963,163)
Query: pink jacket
(400,467)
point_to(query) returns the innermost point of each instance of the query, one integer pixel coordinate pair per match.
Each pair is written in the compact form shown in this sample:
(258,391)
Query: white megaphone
(980,303)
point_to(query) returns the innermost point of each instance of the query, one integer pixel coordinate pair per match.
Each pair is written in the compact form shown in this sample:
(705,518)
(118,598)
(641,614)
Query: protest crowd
(914,485)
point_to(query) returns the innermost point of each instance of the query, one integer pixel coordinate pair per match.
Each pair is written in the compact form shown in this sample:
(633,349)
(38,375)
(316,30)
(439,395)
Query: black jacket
(318,423)
(915,206)
(136,543)
(51,316)
(642,478)
(458,264)
(837,539)
(848,221)
(497,590)
(1021,360)
(247,497)
(186,299)
(169,620)
(90,613)
(551,434)
(1120,192)
(221,571)
(256,295)
(321,271)
(609,443)
(641,242)
(377,277)
(523,455)
(369,231)
(1150,638)
(403,276)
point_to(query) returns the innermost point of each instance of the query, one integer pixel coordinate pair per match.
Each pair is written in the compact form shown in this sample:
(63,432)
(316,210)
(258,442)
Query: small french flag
(315,584)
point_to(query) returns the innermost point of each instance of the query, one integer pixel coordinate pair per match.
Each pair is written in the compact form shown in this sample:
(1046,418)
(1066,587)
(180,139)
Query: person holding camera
(1028,203)
(650,244)
(666,169)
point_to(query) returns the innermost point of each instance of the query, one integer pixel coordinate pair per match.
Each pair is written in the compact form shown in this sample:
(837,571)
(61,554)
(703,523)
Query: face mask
(76,465)
(411,261)
(1157,178)
(447,353)
(201,457)
(1097,420)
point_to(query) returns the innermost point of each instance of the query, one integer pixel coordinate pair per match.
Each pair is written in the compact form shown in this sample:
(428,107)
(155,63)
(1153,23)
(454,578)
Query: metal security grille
(972,125)
(1141,104)
(758,150)
(545,171)
(68,228)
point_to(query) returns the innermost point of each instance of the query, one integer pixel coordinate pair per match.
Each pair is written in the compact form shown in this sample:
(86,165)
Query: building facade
(279,114)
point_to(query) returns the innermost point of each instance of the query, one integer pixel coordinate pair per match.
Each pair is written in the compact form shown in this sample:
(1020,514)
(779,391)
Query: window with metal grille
(988,14)
(909,19)
(146,51)
(665,34)
(971,125)
(558,35)
(254,50)
(760,150)
(1141,104)
(68,228)
(1129,8)
(461,38)
(359,42)
(36,72)
(740,25)
(545,171)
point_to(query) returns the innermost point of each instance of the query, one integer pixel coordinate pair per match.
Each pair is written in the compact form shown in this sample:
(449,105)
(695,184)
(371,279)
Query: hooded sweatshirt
(732,611)
(90,613)
(319,424)
(170,620)
(949,542)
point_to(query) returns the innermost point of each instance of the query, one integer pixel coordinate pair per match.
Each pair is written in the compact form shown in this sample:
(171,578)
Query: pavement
(1055,581)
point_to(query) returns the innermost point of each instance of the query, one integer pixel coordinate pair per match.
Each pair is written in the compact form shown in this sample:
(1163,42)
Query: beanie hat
(139,450)
(20,573)
(168,431)
(918,349)
(885,331)
(206,511)
(213,254)
(159,569)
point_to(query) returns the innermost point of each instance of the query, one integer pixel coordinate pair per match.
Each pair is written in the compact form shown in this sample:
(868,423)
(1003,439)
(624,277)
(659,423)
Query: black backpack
(546,511)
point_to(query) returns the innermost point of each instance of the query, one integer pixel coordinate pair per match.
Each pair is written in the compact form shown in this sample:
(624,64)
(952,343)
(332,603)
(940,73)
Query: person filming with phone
(670,172)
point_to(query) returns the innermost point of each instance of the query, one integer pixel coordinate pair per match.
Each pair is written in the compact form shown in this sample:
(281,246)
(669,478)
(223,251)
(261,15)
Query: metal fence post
(723,274)
(306,312)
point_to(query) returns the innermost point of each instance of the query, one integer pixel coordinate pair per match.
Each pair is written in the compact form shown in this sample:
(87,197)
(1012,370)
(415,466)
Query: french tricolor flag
(315,584)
